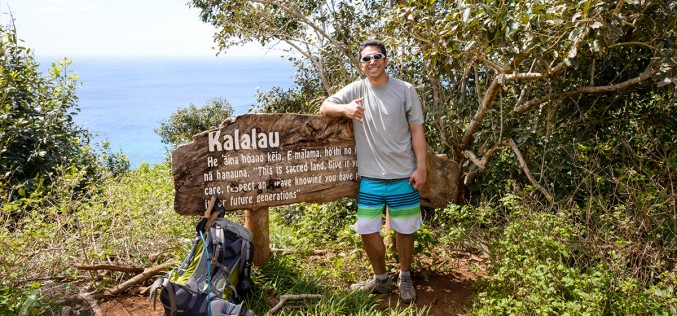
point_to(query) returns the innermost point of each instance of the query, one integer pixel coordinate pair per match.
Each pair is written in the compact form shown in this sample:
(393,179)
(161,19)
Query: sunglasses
(367,58)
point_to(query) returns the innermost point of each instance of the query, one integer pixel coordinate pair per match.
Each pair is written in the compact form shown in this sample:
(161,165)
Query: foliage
(129,220)
(37,132)
(551,107)
(491,75)
(466,227)
(291,274)
(533,99)
(545,263)
(186,122)
(285,101)
(20,302)
(310,226)
(524,71)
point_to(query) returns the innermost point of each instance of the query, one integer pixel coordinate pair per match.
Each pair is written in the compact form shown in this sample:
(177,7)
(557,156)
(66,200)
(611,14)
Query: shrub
(546,261)
(37,132)
(186,122)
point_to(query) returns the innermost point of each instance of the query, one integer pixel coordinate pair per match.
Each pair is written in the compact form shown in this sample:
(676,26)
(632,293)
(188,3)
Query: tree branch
(572,53)
(464,81)
(491,64)
(289,297)
(145,275)
(635,43)
(485,105)
(481,162)
(527,172)
(494,88)
(647,74)
(310,24)
(110,267)
(316,63)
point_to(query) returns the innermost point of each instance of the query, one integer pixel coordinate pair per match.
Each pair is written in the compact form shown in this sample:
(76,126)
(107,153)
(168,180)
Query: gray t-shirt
(383,143)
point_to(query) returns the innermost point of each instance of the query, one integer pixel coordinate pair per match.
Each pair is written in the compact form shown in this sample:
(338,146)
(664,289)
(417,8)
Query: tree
(186,122)
(37,132)
(494,76)
(513,73)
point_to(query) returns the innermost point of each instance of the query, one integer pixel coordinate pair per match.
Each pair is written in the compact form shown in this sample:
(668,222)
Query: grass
(537,261)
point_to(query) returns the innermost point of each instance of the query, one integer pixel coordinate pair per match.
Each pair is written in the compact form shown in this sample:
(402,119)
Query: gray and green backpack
(211,281)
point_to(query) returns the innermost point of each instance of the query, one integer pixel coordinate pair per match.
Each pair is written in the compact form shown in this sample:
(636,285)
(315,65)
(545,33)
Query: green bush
(37,132)
(186,122)
(465,227)
(127,220)
(308,226)
(544,263)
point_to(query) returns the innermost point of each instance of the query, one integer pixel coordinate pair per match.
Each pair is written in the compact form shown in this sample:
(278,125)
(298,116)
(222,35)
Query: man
(391,148)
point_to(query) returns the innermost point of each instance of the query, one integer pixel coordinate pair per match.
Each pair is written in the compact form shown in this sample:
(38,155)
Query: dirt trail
(441,294)
(444,290)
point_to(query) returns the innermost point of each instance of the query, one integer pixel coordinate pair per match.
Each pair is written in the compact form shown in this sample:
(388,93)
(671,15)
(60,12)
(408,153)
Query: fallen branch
(54,278)
(145,275)
(111,267)
(286,251)
(290,297)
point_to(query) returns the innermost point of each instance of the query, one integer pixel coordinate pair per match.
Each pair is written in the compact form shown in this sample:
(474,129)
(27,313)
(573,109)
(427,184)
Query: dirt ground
(440,294)
(444,291)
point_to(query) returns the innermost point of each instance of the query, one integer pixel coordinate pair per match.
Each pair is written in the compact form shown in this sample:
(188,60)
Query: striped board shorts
(403,201)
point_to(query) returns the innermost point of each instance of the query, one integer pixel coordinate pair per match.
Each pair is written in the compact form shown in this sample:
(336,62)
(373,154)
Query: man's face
(374,68)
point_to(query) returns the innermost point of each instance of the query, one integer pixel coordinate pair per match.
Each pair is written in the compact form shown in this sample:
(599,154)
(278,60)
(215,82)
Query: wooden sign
(255,161)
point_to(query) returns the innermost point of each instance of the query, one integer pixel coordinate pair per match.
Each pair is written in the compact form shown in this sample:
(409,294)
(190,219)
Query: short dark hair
(372,42)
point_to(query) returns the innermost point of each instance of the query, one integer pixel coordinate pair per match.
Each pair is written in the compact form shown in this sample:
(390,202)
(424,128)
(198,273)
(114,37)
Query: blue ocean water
(123,100)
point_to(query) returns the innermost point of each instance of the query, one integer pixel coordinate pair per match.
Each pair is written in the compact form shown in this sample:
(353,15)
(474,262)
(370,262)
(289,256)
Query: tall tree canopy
(537,78)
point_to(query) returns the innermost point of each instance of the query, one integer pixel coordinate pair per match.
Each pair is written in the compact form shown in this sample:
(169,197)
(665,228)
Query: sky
(116,28)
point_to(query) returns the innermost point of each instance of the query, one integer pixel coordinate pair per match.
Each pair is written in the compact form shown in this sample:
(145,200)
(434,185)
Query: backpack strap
(244,254)
(167,286)
(226,276)
(219,241)
(153,290)
(180,270)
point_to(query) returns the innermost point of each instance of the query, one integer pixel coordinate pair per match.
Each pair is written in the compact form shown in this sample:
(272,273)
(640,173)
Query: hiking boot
(374,286)
(407,290)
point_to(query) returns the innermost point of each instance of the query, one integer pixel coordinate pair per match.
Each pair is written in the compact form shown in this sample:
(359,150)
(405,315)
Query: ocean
(122,101)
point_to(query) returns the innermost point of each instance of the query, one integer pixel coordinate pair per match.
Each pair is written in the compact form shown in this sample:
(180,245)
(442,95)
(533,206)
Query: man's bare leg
(376,251)
(380,283)
(405,250)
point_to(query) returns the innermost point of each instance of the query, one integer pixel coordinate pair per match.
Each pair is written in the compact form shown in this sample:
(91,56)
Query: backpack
(211,282)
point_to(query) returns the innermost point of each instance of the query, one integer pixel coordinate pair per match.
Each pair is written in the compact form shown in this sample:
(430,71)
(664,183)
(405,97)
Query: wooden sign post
(256,161)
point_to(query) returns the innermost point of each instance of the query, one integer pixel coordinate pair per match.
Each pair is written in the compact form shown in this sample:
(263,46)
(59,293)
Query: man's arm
(352,110)
(418,143)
